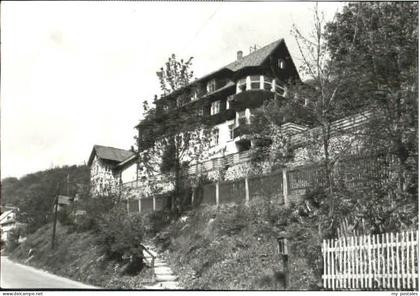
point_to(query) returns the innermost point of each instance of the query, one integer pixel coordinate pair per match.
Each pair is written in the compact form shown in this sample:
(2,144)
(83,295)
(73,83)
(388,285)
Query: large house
(227,99)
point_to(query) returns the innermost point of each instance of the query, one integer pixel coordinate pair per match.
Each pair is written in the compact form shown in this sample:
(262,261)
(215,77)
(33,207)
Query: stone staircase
(165,279)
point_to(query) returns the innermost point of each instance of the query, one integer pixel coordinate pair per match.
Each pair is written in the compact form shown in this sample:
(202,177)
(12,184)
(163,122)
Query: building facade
(226,100)
(107,171)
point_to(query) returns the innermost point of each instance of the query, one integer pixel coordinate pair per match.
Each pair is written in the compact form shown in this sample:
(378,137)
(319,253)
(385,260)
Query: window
(268,83)
(278,88)
(281,63)
(242,118)
(214,140)
(179,102)
(194,95)
(211,86)
(241,85)
(255,82)
(215,108)
(228,101)
(231,128)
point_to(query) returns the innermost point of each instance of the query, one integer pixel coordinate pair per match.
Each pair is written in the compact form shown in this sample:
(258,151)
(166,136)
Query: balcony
(250,99)
(242,130)
(219,163)
(220,117)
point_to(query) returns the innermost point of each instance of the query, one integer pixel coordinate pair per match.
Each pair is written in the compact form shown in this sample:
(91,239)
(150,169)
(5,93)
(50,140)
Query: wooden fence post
(217,193)
(246,191)
(285,189)
(139,205)
(154,203)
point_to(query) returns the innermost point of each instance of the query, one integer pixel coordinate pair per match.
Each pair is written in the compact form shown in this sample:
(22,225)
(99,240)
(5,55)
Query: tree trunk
(327,166)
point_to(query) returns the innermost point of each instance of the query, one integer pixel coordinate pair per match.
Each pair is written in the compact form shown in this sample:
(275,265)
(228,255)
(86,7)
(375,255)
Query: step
(162,269)
(166,277)
(171,286)
(163,273)
(154,287)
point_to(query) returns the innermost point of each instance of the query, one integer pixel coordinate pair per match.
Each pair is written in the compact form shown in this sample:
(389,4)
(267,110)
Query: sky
(74,74)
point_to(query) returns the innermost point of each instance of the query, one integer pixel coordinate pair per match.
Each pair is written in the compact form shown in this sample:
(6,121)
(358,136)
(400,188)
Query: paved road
(14,276)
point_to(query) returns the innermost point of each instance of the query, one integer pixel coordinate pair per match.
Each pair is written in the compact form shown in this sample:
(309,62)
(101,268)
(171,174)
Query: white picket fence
(372,262)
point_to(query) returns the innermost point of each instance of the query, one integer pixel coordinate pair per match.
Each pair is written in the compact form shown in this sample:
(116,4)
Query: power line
(202,27)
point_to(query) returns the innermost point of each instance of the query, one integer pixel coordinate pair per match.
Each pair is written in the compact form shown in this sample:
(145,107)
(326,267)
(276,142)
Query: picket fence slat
(386,261)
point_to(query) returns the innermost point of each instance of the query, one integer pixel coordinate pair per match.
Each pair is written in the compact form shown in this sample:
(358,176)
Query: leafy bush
(156,221)
(120,233)
(95,208)
(77,256)
(12,240)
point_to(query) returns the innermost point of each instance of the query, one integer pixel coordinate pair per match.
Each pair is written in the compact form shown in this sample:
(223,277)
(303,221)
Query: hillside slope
(234,247)
(78,257)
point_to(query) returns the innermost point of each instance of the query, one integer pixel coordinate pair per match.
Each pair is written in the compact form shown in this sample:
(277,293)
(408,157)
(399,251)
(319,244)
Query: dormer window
(215,108)
(211,86)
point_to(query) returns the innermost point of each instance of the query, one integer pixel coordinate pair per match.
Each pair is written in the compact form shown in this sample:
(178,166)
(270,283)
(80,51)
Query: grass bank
(234,247)
(78,257)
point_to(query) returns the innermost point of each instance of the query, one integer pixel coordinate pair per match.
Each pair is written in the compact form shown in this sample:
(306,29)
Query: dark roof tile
(255,58)
(109,153)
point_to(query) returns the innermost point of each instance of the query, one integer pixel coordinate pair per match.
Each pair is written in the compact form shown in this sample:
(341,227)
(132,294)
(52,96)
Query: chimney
(239,55)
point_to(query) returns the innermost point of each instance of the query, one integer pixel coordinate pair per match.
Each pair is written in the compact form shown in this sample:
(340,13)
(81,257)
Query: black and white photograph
(209,146)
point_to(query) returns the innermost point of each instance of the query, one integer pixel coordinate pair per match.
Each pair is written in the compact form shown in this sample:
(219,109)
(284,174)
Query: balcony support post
(246,191)
(248,82)
(217,193)
(285,189)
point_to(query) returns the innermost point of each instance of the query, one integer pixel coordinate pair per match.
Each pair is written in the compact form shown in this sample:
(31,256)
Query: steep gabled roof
(109,153)
(255,58)
(7,217)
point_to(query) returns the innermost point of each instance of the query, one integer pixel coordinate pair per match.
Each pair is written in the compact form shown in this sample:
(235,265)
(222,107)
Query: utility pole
(56,208)
(68,183)
(55,215)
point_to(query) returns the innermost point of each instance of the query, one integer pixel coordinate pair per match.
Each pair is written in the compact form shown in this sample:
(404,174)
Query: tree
(315,103)
(353,68)
(172,140)
(382,76)
(324,96)
(34,194)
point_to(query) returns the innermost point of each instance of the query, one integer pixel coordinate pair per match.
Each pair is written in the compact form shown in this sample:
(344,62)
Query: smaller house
(8,222)
(106,166)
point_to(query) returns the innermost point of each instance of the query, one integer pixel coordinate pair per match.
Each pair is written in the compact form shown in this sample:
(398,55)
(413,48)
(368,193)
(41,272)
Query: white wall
(226,145)
(102,177)
(129,173)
